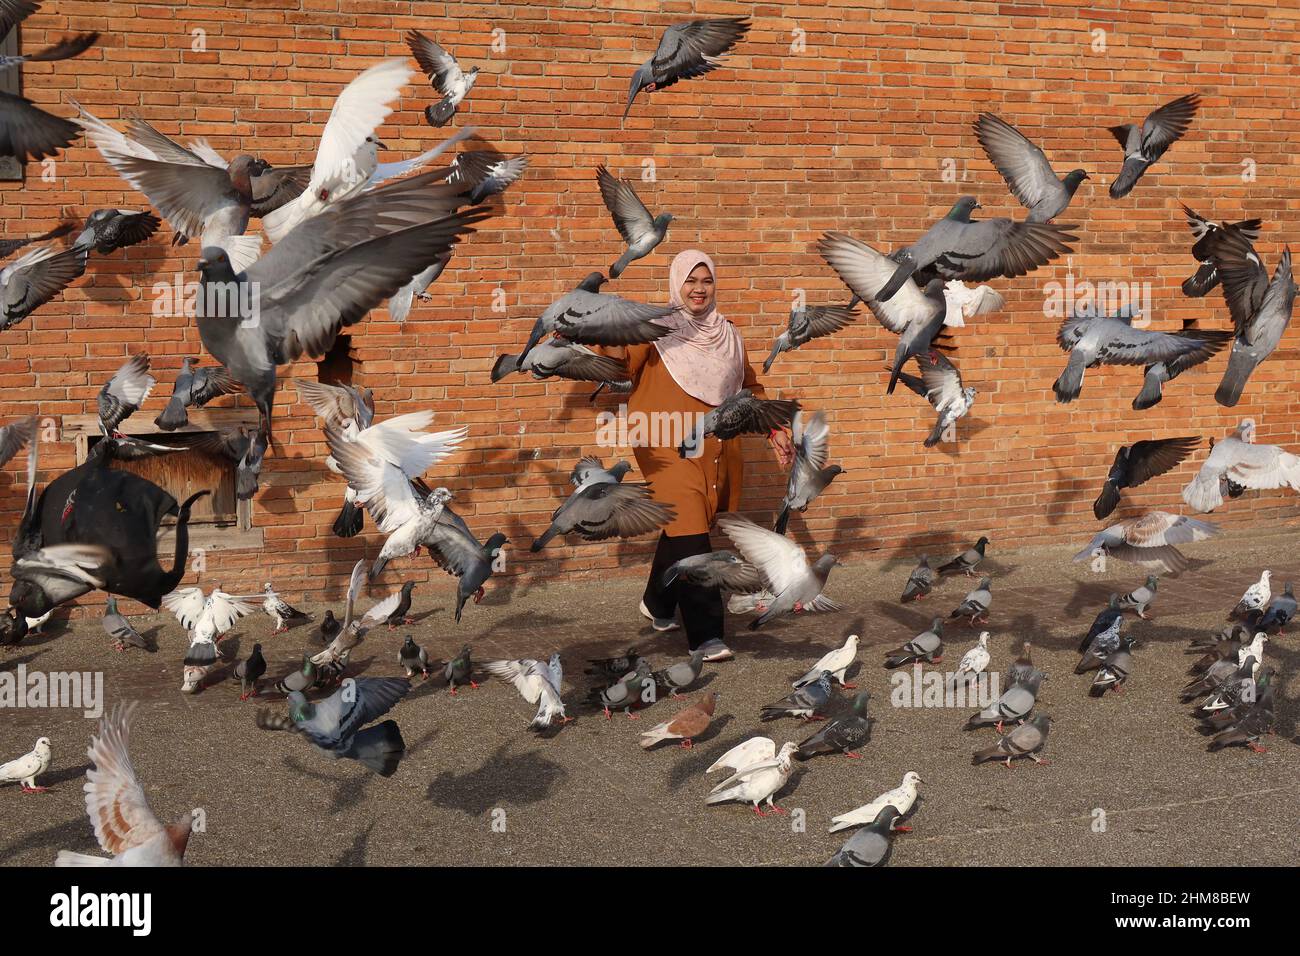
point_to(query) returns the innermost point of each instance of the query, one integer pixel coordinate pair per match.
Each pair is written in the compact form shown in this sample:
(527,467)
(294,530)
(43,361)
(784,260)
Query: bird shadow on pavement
(519,779)
(355,855)
(76,835)
(1088,596)
(14,662)
(56,777)
(349,787)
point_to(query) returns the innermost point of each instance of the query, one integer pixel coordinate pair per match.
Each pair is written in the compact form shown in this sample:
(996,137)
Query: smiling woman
(687,372)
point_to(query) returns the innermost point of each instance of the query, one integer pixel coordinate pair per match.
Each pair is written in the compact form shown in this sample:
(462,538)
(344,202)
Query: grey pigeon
(1093,340)
(1280,611)
(843,735)
(590,470)
(456,550)
(1257,721)
(1155,376)
(783,568)
(810,474)
(399,305)
(1014,705)
(300,679)
(1022,668)
(940,384)
(607,510)
(976,604)
(445,74)
(1101,647)
(1231,691)
(108,230)
(413,658)
(249,672)
(560,358)
(231,446)
(398,617)
(685,51)
(967,561)
(920,582)
(1141,597)
(194,388)
(740,414)
(124,393)
(926,646)
(1260,309)
(718,569)
(1027,172)
(1137,464)
(336,726)
(14,436)
(641,231)
(807,702)
(1146,142)
(35,277)
(119,628)
(487,173)
(808,323)
(1149,541)
(1114,670)
(678,677)
(627,692)
(1027,740)
(1109,616)
(459,670)
(957,247)
(1207,233)
(870,845)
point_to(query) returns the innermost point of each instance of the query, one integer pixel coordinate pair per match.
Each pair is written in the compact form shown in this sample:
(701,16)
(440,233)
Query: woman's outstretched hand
(779,439)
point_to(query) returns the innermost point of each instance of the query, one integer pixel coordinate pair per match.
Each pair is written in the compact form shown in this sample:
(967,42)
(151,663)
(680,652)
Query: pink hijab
(704,355)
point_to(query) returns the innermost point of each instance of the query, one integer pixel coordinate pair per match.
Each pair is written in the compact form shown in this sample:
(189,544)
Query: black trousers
(701,608)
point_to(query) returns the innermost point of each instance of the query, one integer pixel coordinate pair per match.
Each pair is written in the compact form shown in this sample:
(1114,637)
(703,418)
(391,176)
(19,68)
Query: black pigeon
(1146,142)
(398,617)
(250,672)
(1207,233)
(687,50)
(108,230)
(1111,613)
(844,734)
(413,657)
(459,670)
(967,561)
(329,628)
(1138,463)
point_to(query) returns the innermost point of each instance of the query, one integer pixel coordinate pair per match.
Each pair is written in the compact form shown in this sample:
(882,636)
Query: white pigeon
(1254,649)
(277,609)
(538,684)
(902,798)
(1256,597)
(124,825)
(973,661)
(783,568)
(758,782)
(28,767)
(746,754)
(1239,464)
(965,302)
(333,661)
(836,661)
(211,617)
(445,74)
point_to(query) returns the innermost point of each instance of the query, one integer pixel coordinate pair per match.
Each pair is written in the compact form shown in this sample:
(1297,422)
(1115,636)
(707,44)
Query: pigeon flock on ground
(345,234)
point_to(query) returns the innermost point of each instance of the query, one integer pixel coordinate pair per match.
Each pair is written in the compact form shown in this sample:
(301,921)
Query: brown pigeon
(689,723)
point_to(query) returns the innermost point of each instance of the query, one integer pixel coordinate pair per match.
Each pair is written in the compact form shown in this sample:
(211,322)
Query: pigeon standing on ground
(940,384)
(1141,597)
(973,663)
(25,769)
(689,723)
(627,691)
(301,678)
(810,474)
(329,627)
(758,778)
(108,230)
(641,231)
(1109,616)
(808,702)
(1022,668)
(843,735)
(1281,610)
(124,393)
(445,76)
(808,323)
(194,388)
(1207,235)
(976,604)
(249,672)
(1236,464)
(1106,643)
(678,677)
(1255,599)
(1149,541)
(795,585)
(1114,671)
(871,845)
(902,799)
(837,662)
(279,610)
(459,671)
(967,561)
(926,646)
(538,684)
(1137,464)
(124,825)
(1027,740)
(413,658)
(685,51)
(1146,142)
(1261,311)
(119,628)
(1014,705)
(399,616)
(920,582)
(1027,172)
(741,414)
(336,726)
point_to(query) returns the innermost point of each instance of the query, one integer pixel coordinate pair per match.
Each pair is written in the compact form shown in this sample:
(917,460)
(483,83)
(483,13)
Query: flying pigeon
(1014,705)
(976,604)
(592,471)
(1237,463)
(1026,170)
(1146,142)
(808,702)
(641,231)
(413,658)
(902,799)
(124,393)
(1261,310)
(1141,597)
(810,474)
(940,384)
(124,825)
(844,734)
(871,845)
(399,304)
(1256,597)
(279,610)
(119,628)
(25,769)
(1137,464)
(926,646)
(459,670)
(486,172)
(1207,235)
(967,561)
(249,672)
(351,411)
(605,510)
(1027,740)
(808,323)
(763,771)
(723,570)
(973,662)
(837,662)
(685,51)
(336,726)
(107,230)
(1149,541)
(1093,340)
(194,388)
(445,75)
(920,582)
(24,129)
(676,678)
(9,246)
(538,684)
(689,723)
(783,567)
(741,414)
(35,277)
(456,550)
(333,661)
(560,358)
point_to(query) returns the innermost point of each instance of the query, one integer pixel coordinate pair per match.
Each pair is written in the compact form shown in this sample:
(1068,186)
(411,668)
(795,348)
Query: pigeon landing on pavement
(1027,740)
(641,231)
(538,684)
(1146,142)
(1137,464)
(685,51)
(926,646)
(336,726)
(1027,172)
(25,769)
(920,582)
(1236,464)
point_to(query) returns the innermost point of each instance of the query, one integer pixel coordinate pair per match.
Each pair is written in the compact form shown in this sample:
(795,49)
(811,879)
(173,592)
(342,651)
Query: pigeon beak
(380,145)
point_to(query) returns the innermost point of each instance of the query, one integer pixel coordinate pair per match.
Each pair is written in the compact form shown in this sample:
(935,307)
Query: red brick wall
(755,161)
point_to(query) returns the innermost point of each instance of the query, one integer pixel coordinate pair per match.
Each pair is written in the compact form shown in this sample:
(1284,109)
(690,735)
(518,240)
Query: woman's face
(698,292)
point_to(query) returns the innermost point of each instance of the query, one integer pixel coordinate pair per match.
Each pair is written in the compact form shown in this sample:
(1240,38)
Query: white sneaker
(715,651)
(658,623)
